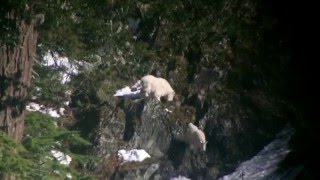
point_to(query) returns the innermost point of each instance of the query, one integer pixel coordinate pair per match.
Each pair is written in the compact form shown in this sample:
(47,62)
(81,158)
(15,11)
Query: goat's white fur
(195,138)
(156,87)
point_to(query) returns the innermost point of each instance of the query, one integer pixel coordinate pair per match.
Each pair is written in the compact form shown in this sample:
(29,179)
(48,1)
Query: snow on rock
(52,113)
(61,157)
(54,60)
(71,68)
(34,107)
(134,91)
(66,103)
(167,110)
(127,91)
(132,155)
(69,176)
(179,178)
(56,172)
(61,111)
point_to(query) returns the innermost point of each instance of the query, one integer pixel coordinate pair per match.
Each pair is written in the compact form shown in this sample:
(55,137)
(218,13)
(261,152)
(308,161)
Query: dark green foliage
(44,130)
(42,135)
(32,158)
(13,156)
(8,25)
(56,92)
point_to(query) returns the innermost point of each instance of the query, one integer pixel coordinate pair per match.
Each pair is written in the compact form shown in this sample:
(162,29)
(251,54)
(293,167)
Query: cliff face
(234,133)
(148,125)
(237,89)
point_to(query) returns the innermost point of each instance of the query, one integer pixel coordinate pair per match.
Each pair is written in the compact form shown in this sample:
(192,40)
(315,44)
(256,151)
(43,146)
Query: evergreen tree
(19,35)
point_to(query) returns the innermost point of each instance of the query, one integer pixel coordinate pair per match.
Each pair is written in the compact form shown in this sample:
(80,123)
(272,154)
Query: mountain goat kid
(195,138)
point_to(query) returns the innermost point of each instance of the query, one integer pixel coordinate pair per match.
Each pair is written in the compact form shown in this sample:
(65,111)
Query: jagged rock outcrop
(153,131)
(235,132)
(267,163)
(147,125)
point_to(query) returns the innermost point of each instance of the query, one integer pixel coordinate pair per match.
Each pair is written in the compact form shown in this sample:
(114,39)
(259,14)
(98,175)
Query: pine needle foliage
(33,158)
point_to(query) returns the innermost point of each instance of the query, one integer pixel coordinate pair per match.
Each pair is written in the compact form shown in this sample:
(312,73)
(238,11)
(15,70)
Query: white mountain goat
(156,87)
(195,138)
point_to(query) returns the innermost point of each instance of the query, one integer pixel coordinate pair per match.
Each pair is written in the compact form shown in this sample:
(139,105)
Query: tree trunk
(15,77)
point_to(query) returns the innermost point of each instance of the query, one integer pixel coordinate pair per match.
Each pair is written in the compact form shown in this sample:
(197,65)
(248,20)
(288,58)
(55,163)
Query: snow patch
(55,61)
(53,113)
(71,68)
(34,107)
(61,157)
(66,103)
(61,111)
(179,178)
(132,155)
(56,172)
(127,91)
(69,176)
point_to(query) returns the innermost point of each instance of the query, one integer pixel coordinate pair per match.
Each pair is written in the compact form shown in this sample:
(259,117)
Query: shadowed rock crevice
(133,112)
(176,152)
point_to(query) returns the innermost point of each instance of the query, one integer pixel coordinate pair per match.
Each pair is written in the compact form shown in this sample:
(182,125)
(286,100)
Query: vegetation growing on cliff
(33,158)
(228,53)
